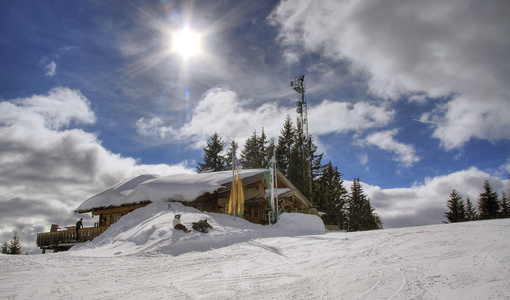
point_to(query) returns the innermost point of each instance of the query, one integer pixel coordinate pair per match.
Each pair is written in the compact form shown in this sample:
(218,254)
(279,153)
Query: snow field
(141,257)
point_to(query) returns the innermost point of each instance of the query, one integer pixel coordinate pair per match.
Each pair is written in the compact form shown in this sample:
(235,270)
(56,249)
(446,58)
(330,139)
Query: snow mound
(148,230)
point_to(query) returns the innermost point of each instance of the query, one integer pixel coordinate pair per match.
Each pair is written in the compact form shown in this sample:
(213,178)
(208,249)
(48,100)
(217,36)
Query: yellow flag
(236,201)
(240,196)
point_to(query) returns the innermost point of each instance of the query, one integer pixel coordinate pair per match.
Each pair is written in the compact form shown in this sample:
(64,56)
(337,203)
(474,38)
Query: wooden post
(54,228)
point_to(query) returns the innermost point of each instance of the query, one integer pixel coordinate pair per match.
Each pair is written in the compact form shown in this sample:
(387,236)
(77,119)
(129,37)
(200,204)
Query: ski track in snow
(453,261)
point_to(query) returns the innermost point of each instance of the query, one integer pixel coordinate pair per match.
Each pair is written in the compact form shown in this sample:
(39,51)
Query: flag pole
(276,185)
(237,197)
(234,193)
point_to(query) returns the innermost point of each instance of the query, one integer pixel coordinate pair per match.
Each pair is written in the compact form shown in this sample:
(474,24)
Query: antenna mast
(298,84)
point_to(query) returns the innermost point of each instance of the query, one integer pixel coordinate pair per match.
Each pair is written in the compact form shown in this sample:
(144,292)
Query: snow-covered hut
(204,191)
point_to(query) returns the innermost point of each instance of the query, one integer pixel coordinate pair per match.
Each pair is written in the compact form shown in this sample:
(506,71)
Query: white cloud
(340,117)
(48,165)
(455,49)
(363,159)
(51,68)
(464,118)
(154,127)
(220,110)
(384,140)
(59,109)
(420,99)
(425,203)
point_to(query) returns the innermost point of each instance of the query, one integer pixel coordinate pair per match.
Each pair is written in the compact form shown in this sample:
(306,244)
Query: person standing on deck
(79,225)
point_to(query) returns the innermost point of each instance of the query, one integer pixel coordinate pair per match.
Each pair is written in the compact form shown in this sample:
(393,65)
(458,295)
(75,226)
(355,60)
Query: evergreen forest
(14,247)
(490,206)
(297,158)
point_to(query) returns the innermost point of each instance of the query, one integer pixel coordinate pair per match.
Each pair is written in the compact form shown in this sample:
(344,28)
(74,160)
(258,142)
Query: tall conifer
(250,153)
(360,213)
(504,209)
(5,248)
(330,194)
(286,141)
(470,210)
(228,157)
(263,149)
(15,245)
(488,204)
(457,211)
(213,160)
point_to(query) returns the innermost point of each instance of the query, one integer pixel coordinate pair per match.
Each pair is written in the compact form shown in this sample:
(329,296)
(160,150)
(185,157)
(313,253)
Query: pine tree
(488,204)
(213,161)
(251,154)
(14,245)
(505,200)
(290,154)
(5,248)
(270,151)
(228,156)
(315,162)
(457,211)
(330,194)
(305,164)
(285,145)
(265,155)
(470,210)
(297,171)
(360,213)
(504,211)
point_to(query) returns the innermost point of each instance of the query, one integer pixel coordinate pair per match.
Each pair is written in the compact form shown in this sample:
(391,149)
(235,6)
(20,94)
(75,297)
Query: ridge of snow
(148,230)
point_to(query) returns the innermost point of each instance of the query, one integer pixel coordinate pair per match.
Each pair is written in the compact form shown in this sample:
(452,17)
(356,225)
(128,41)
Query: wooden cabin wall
(110,216)
(256,205)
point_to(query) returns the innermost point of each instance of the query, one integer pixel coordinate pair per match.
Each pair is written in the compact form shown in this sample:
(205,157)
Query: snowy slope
(239,260)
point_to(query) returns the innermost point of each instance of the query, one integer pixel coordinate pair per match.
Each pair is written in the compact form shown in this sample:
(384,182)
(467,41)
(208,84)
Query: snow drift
(148,230)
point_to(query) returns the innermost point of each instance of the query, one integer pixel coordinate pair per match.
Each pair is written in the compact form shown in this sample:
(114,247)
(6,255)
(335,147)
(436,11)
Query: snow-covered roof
(179,187)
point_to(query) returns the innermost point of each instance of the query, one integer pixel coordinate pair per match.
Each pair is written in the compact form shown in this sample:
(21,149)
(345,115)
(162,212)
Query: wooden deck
(65,239)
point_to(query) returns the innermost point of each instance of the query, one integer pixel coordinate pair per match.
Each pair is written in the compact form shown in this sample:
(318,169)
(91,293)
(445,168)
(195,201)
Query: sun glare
(186,43)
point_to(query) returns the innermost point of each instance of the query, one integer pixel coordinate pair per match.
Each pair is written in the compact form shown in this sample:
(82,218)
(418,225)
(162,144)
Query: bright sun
(186,43)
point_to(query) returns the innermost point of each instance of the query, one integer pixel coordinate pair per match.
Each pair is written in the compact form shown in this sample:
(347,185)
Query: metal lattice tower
(298,84)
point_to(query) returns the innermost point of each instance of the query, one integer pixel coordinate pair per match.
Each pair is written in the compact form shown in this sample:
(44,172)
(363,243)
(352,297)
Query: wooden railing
(55,239)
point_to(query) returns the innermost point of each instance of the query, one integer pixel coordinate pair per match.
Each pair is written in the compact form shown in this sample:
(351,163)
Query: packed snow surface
(142,257)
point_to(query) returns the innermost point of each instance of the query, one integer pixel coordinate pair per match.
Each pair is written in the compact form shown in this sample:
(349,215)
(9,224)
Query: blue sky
(411,97)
